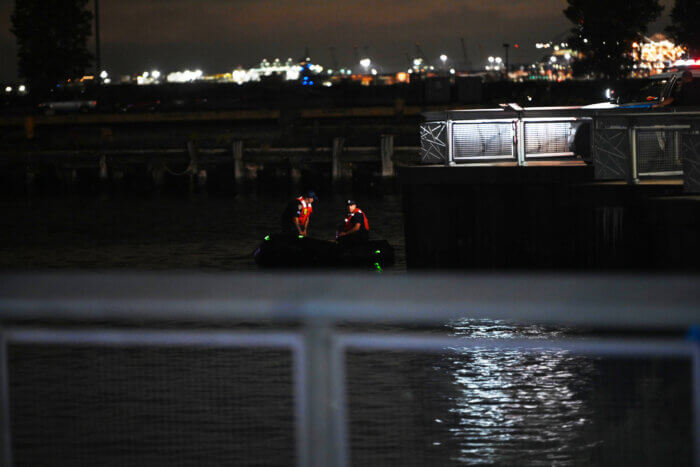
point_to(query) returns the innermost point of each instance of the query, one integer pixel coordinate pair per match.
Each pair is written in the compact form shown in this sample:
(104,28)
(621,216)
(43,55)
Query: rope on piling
(176,174)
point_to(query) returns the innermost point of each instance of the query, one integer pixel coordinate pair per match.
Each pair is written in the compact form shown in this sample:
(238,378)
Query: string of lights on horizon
(650,57)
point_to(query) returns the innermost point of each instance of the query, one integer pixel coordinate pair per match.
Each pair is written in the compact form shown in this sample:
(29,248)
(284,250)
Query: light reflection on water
(506,399)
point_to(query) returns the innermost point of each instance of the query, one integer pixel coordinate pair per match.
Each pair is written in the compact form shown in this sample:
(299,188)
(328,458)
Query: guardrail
(629,145)
(119,311)
(511,134)
(623,144)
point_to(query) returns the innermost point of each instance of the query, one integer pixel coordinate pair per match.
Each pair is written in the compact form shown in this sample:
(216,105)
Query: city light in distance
(22,88)
(8,89)
(104,74)
(443,58)
(365,62)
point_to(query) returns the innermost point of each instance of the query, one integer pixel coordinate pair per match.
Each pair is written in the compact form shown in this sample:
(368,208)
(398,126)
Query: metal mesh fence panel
(545,138)
(482,140)
(150,406)
(658,151)
(433,142)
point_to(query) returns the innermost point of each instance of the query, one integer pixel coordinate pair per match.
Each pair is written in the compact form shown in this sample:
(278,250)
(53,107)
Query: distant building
(653,54)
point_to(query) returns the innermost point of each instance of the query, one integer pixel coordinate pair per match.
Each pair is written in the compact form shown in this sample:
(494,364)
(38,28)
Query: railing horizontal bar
(474,122)
(550,120)
(591,347)
(468,158)
(550,154)
(660,127)
(661,174)
(656,301)
(152,338)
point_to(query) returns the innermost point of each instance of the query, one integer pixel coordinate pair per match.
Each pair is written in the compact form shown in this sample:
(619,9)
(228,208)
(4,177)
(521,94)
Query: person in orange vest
(295,218)
(355,229)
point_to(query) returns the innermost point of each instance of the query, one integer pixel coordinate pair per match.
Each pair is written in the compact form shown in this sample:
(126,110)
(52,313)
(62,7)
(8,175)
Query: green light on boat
(379,268)
(376,252)
(267,238)
(301,236)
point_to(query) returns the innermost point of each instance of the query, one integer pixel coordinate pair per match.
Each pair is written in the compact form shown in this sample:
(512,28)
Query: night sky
(218,35)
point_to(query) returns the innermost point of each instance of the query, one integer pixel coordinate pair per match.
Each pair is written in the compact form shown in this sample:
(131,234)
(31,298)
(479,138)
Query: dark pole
(98,59)
(506,46)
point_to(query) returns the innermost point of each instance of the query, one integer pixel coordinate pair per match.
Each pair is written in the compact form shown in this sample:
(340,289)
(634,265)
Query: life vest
(347,220)
(305,211)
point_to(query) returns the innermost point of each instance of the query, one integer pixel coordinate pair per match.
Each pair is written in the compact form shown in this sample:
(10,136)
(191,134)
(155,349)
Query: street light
(104,74)
(8,89)
(365,62)
(443,58)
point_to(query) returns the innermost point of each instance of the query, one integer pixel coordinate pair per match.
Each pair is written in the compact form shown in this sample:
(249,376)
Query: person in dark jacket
(355,228)
(687,92)
(295,218)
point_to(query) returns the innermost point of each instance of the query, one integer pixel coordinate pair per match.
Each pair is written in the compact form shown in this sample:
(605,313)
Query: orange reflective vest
(305,211)
(347,220)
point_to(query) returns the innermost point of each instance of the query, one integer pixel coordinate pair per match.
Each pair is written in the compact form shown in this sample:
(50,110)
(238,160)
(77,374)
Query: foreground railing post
(519,129)
(450,144)
(320,438)
(695,339)
(339,400)
(5,439)
(633,169)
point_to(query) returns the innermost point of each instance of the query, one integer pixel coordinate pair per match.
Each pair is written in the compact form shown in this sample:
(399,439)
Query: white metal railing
(518,140)
(320,301)
(625,144)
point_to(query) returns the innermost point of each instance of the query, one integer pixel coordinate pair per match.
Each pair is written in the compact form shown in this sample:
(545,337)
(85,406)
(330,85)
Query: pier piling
(387,154)
(238,168)
(193,151)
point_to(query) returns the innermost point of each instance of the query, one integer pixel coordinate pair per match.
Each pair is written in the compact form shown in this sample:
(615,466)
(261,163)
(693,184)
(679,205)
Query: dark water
(194,233)
(136,406)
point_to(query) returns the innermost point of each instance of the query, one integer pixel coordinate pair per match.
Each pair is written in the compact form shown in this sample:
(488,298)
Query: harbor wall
(495,218)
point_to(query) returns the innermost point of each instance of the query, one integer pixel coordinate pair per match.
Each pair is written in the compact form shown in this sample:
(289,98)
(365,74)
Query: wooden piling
(103,168)
(295,172)
(238,167)
(194,162)
(202,179)
(336,172)
(387,154)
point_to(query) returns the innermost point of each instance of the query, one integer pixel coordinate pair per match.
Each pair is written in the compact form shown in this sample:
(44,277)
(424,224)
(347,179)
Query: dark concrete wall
(544,217)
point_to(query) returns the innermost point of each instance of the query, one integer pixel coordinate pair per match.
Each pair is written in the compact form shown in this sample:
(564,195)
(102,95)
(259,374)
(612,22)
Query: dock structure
(230,149)
(560,187)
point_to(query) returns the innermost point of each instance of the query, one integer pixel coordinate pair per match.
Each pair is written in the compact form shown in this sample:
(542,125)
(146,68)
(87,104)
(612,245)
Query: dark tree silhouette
(51,40)
(604,31)
(685,26)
